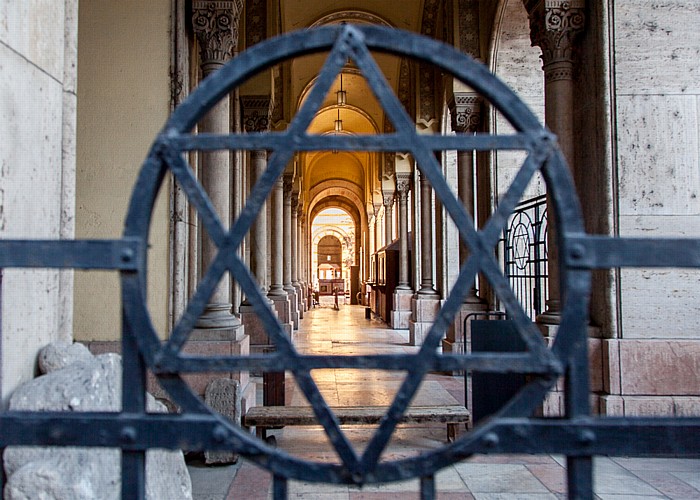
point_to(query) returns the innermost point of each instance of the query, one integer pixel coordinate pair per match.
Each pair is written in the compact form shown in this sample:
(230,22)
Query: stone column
(373,214)
(554,27)
(295,253)
(277,292)
(426,238)
(214,25)
(401,314)
(256,118)
(465,108)
(388,199)
(219,332)
(287,250)
(426,302)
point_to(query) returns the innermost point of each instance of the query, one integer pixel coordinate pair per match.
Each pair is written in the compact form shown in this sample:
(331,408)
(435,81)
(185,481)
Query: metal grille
(578,435)
(525,254)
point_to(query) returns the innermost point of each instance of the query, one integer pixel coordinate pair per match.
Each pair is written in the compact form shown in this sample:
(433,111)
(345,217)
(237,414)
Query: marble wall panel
(657,46)
(657,367)
(30,207)
(35,30)
(658,144)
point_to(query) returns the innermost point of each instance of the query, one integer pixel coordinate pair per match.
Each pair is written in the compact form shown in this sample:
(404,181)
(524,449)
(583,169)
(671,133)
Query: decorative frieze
(554,27)
(215,23)
(465,109)
(468,11)
(255,22)
(256,113)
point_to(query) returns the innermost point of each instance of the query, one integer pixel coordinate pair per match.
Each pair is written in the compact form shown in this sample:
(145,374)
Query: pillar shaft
(554,27)
(403,184)
(258,231)
(466,119)
(426,238)
(216,28)
(388,218)
(277,232)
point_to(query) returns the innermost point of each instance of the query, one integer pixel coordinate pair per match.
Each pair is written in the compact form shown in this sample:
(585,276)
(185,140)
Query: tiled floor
(490,477)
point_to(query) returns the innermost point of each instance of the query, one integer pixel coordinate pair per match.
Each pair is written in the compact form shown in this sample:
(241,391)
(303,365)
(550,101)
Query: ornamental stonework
(256,113)
(465,109)
(469,27)
(554,27)
(403,184)
(215,24)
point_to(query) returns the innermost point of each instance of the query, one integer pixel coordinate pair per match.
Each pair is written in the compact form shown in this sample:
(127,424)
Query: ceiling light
(341,95)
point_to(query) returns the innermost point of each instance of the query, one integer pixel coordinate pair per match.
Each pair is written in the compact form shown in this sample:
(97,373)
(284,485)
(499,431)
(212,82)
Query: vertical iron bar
(427,487)
(133,401)
(279,487)
(133,475)
(579,472)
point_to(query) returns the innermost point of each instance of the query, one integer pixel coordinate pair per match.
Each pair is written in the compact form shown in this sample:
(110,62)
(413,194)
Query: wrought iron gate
(578,435)
(525,254)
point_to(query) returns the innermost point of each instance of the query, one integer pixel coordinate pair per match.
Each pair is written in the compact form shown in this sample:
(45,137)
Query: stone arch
(517,63)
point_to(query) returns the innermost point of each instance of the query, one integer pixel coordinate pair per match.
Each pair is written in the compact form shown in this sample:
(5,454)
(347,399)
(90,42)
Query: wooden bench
(266,417)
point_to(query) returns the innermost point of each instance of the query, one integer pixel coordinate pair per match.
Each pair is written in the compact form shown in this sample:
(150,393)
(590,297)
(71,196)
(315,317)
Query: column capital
(388,199)
(554,27)
(215,23)
(465,108)
(403,183)
(256,111)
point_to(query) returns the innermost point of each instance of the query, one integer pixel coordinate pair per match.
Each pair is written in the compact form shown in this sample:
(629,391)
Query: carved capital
(554,27)
(256,112)
(295,203)
(215,23)
(403,185)
(388,199)
(465,108)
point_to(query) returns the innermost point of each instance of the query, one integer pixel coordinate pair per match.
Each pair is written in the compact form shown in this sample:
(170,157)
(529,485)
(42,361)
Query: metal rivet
(56,433)
(577,251)
(127,255)
(219,434)
(490,439)
(128,434)
(586,437)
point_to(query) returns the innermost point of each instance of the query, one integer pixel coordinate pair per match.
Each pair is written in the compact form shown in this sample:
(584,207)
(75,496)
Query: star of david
(167,359)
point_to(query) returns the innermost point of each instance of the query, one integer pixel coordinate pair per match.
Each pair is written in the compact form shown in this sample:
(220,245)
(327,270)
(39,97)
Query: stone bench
(266,417)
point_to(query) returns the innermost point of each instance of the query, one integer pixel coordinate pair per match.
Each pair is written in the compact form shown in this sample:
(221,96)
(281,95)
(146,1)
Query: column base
(217,316)
(284,311)
(458,337)
(425,309)
(401,314)
(300,300)
(255,329)
(293,306)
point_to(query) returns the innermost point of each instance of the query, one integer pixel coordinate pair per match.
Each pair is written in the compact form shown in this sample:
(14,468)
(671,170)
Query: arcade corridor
(326,331)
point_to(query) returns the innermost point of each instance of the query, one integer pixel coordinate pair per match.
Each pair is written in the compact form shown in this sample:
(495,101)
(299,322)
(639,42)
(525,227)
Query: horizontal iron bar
(617,436)
(601,252)
(190,432)
(384,142)
(79,254)
(584,436)
(482,362)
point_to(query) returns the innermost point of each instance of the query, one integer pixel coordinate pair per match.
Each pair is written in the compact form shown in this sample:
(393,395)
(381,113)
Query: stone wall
(37,172)
(654,363)
(123,102)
